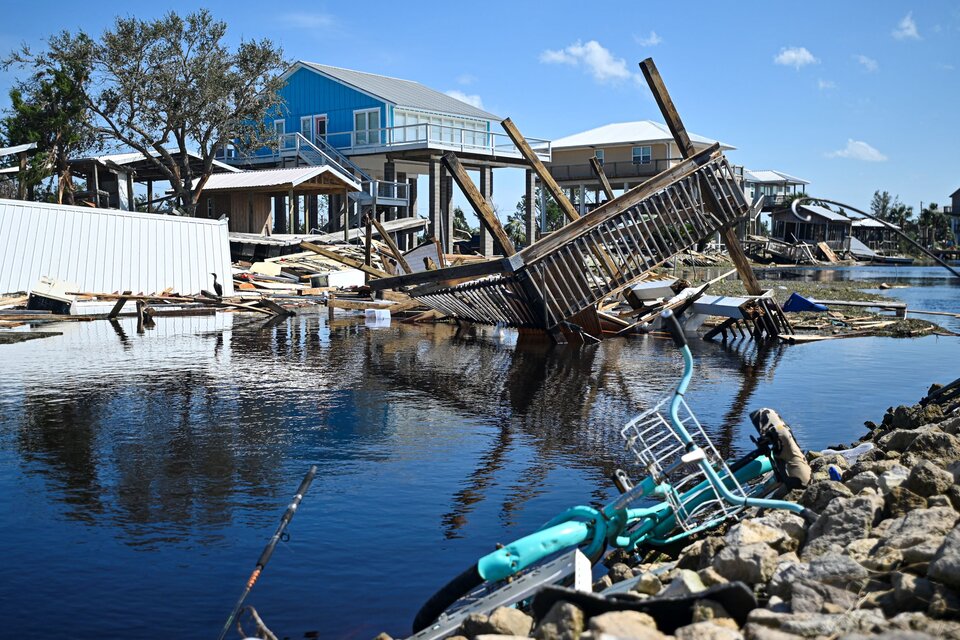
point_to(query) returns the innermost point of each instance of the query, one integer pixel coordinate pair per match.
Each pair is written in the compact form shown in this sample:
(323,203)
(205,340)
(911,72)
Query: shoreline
(881,560)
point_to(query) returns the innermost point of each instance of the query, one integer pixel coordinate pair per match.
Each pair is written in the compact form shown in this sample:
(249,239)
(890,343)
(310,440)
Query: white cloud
(858,150)
(823,85)
(473,98)
(867,63)
(466,79)
(598,60)
(906,29)
(651,40)
(795,57)
(304,20)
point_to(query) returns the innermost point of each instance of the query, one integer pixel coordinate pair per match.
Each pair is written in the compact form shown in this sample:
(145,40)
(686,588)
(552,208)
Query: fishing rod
(271,545)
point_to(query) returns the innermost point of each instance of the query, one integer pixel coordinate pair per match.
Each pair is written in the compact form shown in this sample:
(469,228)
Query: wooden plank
(459,273)
(350,262)
(480,205)
(368,244)
(602,177)
(391,245)
(546,179)
(118,306)
(828,252)
(675,124)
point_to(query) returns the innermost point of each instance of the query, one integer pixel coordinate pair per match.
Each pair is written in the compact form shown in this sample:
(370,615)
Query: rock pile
(882,560)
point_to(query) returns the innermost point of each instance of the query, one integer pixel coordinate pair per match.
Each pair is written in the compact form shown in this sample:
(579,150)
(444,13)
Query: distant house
(824,226)
(387,132)
(874,234)
(954,215)
(630,152)
(775,187)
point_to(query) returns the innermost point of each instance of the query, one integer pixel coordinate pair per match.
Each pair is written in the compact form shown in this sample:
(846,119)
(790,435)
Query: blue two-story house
(388,132)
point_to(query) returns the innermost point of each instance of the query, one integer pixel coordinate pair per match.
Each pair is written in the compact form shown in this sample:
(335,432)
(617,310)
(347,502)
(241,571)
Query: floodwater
(143,473)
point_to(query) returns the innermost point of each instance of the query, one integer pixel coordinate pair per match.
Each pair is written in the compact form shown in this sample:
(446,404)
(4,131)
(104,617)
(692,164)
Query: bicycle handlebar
(670,323)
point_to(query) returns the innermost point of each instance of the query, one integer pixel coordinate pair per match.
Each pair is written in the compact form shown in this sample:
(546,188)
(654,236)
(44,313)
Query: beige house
(630,152)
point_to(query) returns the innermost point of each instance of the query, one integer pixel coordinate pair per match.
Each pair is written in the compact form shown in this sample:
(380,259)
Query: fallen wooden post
(602,177)
(117,307)
(385,236)
(672,116)
(350,262)
(899,307)
(484,211)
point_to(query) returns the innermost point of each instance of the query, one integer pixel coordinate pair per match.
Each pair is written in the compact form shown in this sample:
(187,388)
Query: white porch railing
(434,136)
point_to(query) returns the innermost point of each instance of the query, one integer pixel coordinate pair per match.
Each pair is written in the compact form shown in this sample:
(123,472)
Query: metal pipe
(796,203)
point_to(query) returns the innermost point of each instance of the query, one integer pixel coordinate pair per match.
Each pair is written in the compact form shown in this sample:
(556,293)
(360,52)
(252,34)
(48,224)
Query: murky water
(142,474)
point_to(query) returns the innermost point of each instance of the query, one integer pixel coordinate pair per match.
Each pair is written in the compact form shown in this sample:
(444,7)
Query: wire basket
(657,446)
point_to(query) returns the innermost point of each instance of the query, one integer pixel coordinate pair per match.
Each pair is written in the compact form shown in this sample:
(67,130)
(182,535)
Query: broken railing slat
(385,236)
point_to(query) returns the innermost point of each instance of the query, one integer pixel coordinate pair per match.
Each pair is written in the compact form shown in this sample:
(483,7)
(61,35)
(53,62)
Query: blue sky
(852,96)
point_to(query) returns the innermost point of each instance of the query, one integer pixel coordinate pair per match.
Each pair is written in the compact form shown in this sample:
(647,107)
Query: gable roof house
(630,152)
(386,132)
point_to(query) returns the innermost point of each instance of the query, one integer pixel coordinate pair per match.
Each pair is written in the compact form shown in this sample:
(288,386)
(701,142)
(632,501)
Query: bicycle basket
(657,446)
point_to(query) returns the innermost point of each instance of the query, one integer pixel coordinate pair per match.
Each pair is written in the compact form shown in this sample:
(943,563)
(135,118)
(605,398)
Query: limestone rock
(893,477)
(900,501)
(910,593)
(935,446)
(837,570)
(684,583)
(865,480)
(819,494)
(620,572)
(843,521)
(945,567)
(707,631)
(749,532)
(564,621)
(707,610)
(508,621)
(648,584)
(927,479)
(792,524)
(626,624)
(751,563)
(710,577)
(919,526)
(811,596)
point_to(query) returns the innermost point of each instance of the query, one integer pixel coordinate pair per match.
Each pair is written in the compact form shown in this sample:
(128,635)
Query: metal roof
(641,131)
(289,177)
(135,157)
(867,222)
(823,212)
(402,93)
(9,151)
(769,176)
(103,250)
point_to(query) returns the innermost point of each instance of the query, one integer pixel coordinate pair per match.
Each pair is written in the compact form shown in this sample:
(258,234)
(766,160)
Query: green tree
(460,222)
(49,109)
(172,82)
(880,204)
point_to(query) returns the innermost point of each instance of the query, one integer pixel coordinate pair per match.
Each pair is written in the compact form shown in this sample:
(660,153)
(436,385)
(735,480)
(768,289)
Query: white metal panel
(104,250)
(638,132)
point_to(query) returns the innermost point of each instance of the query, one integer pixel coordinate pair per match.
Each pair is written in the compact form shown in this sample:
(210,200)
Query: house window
(642,155)
(365,126)
(598,154)
(306,127)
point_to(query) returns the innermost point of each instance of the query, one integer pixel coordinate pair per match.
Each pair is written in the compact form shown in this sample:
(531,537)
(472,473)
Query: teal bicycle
(696,488)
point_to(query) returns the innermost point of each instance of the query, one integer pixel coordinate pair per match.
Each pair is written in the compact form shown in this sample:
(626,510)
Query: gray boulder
(935,446)
(811,596)
(842,522)
(945,567)
(819,494)
(707,631)
(927,479)
(564,621)
(900,501)
(626,624)
(752,563)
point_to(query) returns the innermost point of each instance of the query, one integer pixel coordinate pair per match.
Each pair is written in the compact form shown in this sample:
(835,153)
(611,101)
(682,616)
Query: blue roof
(402,93)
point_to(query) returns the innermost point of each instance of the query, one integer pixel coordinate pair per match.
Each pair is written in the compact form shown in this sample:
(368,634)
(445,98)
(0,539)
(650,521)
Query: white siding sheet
(104,250)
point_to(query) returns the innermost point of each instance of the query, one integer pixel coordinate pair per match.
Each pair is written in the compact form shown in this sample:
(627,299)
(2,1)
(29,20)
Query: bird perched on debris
(217,289)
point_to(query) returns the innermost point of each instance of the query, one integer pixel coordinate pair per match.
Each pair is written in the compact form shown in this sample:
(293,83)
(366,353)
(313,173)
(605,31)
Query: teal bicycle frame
(623,527)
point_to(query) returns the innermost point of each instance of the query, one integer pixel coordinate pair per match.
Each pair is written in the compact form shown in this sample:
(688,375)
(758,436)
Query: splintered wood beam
(682,138)
(350,262)
(480,205)
(392,245)
(546,180)
(602,177)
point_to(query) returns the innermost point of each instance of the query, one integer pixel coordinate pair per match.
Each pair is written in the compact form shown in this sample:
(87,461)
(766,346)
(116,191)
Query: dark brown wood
(117,307)
(350,262)
(392,245)
(602,177)
(461,273)
(483,209)
(546,180)
(675,124)
(368,246)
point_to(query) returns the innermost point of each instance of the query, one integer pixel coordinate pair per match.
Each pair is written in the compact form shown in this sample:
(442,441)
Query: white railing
(435,135)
